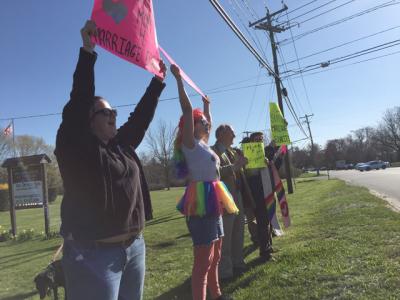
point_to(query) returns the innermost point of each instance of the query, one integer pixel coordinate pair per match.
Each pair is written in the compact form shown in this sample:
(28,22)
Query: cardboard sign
(127,29)
(255,154)
(278,125)
(183,74)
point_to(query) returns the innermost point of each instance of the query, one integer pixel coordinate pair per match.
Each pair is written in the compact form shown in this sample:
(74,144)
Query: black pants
(263,224)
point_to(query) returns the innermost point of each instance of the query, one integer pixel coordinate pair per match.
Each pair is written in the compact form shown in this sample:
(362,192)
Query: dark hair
(94,100)
(245,140)
(221,128)
(254,134)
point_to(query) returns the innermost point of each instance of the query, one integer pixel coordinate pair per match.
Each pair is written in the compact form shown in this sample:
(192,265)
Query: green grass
(344,243)
(311,175)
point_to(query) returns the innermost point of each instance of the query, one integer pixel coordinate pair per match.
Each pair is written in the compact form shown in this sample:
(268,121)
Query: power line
(296,98)
(353,55)
(359,14)
(341,45)
(344,66)
(310,11)
(325,12)
(252,100)
(300,7)
(294,115)
(209,92)
(257,43)
(240,35)
(298,64)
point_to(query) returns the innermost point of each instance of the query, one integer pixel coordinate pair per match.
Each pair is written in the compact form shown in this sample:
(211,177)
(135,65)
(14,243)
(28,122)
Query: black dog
(50,279)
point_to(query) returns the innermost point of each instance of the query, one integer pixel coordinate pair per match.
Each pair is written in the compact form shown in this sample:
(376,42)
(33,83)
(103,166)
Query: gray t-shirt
(202,161)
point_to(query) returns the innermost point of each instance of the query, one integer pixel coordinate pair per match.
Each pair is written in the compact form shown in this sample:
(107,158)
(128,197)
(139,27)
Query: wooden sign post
(27,186)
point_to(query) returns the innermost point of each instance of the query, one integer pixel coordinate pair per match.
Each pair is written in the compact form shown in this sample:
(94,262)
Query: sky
(41,40)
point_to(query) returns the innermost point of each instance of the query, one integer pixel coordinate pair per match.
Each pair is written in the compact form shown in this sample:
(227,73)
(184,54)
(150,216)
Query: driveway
(383,183)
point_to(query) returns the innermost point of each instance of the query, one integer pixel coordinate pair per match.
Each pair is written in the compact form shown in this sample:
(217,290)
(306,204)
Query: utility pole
(312,142)
(267,26)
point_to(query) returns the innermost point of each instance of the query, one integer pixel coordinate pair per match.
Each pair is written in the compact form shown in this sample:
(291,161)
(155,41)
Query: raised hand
(206,100)
(163,71)
(86,32)
(175,71)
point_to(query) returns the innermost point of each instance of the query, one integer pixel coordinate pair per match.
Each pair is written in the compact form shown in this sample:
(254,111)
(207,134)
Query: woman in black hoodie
(106,199)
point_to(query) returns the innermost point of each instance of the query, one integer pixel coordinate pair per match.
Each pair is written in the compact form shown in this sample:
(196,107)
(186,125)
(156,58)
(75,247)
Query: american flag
(8,130)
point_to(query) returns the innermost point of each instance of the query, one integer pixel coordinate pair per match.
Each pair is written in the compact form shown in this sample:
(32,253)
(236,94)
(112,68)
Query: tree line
(365,144)
(361,145)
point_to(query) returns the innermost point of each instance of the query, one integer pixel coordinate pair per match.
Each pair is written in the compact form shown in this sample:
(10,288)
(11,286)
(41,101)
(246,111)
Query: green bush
(26,234)
(4,200)
(5,235)
(395,164)
(51,235)
(52,193)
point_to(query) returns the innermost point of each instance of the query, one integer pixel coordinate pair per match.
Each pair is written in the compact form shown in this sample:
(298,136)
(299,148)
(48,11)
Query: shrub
(4,200)
(26,234)
(52,194)
(5,235)
(51,235)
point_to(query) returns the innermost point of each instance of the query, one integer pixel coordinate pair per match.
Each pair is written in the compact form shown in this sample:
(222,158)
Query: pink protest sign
(183,74)
(127,29)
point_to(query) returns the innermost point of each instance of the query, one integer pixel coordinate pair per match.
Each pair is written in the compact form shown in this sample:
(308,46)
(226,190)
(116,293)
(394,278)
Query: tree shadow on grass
(25,261)
(164,219)
(180,292)
(26,253)
(241,281)
(249,249)
(20,296)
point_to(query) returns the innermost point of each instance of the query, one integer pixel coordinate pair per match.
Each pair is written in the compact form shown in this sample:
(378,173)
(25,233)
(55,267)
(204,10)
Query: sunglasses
(203,122)
(107,112)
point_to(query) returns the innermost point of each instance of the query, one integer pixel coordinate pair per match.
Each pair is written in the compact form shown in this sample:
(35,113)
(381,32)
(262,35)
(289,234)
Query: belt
(125,243)
(100,244)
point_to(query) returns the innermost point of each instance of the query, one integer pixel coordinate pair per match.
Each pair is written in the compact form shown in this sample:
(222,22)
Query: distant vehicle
(340,165)
(374,164)
(358,165)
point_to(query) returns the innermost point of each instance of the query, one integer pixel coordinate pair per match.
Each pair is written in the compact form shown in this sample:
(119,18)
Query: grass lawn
(312,174)
(344,244)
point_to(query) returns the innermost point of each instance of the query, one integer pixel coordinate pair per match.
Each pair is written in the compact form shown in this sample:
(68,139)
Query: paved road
(384,183)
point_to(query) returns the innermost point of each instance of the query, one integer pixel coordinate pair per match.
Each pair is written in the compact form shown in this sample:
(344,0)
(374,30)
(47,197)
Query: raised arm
(187,110)
(133,131)
(83,81)
(206,109)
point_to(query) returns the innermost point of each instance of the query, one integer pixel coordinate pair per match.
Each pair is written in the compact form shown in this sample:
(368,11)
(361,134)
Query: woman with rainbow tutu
(205,197)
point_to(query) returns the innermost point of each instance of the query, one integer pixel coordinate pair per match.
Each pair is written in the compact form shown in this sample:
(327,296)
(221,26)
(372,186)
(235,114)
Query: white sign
(28,193)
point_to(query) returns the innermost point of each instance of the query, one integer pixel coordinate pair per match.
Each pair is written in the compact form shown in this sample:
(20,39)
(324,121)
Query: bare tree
(161,142)
(387,134)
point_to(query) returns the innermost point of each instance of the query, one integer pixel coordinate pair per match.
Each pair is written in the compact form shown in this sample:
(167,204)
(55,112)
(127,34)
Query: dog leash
(57,252)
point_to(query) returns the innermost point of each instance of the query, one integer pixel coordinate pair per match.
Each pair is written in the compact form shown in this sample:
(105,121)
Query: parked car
(374,164)
(357,166)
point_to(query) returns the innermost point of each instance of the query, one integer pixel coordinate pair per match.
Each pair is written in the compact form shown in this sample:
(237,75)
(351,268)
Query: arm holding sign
(206,109)
(187,110)
(133,131)
(74,129)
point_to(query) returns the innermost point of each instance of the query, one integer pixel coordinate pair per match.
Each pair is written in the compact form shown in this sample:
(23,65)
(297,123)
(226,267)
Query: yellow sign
(278,125)
(255,154)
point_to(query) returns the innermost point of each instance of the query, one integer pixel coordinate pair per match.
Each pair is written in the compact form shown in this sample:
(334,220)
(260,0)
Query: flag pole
(13,137)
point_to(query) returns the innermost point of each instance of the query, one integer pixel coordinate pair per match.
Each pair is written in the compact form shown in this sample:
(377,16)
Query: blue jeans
(104,272)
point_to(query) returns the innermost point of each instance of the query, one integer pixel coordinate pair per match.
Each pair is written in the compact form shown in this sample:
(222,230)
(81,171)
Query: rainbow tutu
(203,198)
